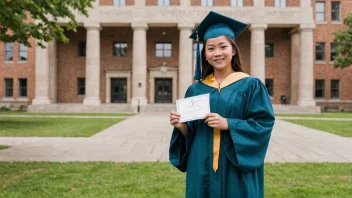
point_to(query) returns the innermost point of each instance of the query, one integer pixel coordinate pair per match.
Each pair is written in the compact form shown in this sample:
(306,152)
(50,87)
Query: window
(119,2)
(335,11)
(269,50)
(163,49)
(8,51)
(22,52)
(335,86)
(319,88)
(320,51)
(280,3)
(8,87)
(320,11)
(333,50)
(120,49)
(163,2)
(269,84)
(81,86)
(82,48)
(22,87)
(206,3)
(238,3)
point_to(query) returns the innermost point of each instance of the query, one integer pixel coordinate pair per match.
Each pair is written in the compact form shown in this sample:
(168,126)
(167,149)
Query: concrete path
(146,137)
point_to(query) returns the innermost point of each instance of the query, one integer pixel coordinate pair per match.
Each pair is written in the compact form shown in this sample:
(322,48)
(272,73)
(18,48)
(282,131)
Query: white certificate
(193,108)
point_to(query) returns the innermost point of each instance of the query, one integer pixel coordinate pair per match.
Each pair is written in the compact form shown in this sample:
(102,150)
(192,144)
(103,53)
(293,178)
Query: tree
(344,48)
(22,19)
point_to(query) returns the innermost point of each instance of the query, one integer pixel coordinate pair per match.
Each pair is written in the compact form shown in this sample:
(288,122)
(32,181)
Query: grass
(3,147)
(160,179)
(342,128)
(54,127)
(63,114)
(322,115)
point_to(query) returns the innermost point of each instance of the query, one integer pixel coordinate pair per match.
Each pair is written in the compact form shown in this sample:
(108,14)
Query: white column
(139,66)
(45,74)
(305,4)
(259,3)
(257,61)
(294,65)
(185,58)
(53,70)
(41,76)
(185,3)
(92,96)
(306,70)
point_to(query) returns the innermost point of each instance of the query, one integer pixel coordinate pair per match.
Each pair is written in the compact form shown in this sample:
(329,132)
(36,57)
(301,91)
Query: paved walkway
(146,137)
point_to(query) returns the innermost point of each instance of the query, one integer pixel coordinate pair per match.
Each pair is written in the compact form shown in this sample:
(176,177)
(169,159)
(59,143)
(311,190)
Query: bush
(5,108)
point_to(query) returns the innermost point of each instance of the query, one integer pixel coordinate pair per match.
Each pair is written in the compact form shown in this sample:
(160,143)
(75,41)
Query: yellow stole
(211,81)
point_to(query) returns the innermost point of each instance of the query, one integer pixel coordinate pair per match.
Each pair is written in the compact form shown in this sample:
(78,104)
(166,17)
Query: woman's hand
(214,120)
(175,121)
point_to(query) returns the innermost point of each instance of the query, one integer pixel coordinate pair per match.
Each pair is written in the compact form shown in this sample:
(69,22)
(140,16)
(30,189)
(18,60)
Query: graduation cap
(212,26)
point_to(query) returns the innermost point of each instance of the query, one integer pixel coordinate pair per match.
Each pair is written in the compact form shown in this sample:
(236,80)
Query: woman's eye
(223,47)
(210,49)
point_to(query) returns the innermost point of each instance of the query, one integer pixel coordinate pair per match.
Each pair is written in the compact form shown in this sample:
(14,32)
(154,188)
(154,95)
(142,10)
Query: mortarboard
(212,26)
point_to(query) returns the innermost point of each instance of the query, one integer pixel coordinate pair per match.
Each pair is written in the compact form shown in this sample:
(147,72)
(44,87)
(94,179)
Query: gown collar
(211,81)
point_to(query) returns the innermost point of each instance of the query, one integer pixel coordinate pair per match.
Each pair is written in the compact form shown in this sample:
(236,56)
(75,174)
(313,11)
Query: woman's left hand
(214,120)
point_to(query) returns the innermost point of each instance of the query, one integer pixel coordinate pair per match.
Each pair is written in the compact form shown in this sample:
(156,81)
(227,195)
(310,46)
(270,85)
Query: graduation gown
(245,103)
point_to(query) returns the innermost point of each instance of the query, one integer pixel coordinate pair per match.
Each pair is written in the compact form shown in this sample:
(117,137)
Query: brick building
(137,53)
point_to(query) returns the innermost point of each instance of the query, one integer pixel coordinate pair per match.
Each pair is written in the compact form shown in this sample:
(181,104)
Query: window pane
(320,17)
(8,87)
(159,46)
(22,87)
(210,3)
(269,86)
(269,50)
(167,53)
(167,46)
(335,16)
(333,51)
(320,7)
(320,51)
(81,86)
(319,88)
(335,86)
(23,56)
(159,53)
(335,6)
(203,3)
(9,56)
(82,48)
(9,46)
(23,47)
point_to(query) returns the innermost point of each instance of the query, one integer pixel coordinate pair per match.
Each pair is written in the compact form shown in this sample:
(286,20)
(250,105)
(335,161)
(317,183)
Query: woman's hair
(235,62)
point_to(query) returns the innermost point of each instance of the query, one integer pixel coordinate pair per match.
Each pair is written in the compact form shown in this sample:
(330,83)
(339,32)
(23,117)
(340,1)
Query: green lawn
(54,127)
(3,147)
(63,114)
(322,115)
(342,128)
(38,179)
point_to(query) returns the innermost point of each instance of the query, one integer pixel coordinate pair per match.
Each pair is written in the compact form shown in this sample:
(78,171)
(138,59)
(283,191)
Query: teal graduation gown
(247,107)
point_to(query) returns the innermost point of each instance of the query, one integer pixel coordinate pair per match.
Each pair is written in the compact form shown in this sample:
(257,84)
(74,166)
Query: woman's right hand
(175,120)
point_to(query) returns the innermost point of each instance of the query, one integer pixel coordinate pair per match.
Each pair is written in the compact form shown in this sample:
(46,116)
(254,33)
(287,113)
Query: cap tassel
(198,72)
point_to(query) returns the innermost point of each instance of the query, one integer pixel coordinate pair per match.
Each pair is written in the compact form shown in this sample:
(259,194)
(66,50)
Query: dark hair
(235,62)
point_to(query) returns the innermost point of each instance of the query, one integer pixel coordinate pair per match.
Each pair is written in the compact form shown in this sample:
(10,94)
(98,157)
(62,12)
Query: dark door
(163,90)
(118,90)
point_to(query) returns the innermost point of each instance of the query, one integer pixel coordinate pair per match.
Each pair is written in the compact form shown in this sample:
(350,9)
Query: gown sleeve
(180,145)
(250,136)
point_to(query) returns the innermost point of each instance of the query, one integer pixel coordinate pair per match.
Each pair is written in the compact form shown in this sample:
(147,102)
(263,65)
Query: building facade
(137,52)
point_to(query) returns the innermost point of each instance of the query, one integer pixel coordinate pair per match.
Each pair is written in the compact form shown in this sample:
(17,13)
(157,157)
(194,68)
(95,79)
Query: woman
(224,153)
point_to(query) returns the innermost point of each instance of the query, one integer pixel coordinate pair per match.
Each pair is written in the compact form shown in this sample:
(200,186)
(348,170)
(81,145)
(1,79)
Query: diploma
(193,108)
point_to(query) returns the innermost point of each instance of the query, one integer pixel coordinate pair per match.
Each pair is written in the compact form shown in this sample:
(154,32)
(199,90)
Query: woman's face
(219,52)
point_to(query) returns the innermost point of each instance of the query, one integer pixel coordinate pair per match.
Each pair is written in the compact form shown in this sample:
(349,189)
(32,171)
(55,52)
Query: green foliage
(344,38)
(21,19)
(5,109)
